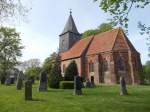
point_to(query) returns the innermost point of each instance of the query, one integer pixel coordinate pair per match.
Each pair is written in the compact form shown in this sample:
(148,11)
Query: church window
(105,65)
(91,67)
(120,64)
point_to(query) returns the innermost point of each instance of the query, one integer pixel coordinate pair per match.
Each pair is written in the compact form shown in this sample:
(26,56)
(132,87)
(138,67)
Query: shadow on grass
(37,100)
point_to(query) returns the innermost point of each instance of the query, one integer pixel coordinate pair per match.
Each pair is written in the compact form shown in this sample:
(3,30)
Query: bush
(55,75)
(71,71)
(66,85)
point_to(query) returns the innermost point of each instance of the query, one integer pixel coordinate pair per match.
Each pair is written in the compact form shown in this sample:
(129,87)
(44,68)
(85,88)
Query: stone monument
(77,85)
(43,81)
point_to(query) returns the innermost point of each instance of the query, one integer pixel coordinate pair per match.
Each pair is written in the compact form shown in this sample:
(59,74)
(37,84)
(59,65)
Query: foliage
(12,8)
(146,71)
(33,72)
(55,74)
(49,62)
(71,71)
(10,49)
(66,85)
(120,9)
(102,28)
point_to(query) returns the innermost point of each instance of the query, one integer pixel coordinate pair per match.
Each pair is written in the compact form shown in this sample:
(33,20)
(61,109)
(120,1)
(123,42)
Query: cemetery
(102,69)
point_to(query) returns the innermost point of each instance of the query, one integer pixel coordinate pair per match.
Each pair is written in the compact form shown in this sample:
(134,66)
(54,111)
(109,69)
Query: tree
(146,70)
(71,71)
(11,8)
(102,28)
(49,62)
(120,9)
(55,74)
(33,73)
(10,50)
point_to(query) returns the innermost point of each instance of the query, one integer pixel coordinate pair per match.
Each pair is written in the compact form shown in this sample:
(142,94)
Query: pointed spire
(70,25)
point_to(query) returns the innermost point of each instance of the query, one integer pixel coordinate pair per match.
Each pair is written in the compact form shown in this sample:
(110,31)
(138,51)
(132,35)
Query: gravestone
(19,83)
(88,84)
(77,85)
(43,81)
(28,90)
(123,89)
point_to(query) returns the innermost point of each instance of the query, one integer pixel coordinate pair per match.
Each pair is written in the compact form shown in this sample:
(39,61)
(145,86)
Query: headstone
(19,81)
(92,82)
(77,85)
(8,81)
(123,89)
(43,81)
(88,84)
(28,90)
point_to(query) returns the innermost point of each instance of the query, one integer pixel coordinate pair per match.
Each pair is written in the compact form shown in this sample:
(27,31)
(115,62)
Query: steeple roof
(70,25)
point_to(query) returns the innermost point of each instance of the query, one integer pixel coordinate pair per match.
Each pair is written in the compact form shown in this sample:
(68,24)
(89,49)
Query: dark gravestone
(77,85)
(19,83)
(3,79)
(43,81)
(92,82)
(123,89)
(88,84)
(28,90)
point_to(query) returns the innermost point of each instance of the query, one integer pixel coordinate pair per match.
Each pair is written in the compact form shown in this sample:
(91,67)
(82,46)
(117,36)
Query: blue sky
(46,20)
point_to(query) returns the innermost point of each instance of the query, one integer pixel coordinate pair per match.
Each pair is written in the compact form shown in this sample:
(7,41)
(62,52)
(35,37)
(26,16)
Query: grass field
(99,99)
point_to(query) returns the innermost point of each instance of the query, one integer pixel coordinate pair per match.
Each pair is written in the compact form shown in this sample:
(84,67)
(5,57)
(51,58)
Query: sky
(41,29)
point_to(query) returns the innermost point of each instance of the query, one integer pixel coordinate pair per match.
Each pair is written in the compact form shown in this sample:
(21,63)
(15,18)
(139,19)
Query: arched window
(64,68)
(91,67)
(120,64)
(105,65)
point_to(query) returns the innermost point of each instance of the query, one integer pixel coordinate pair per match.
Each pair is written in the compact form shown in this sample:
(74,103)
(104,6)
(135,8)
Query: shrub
(55,75)
(71,71)
(66,85)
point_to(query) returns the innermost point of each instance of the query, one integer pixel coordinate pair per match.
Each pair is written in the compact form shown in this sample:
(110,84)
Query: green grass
(99,99)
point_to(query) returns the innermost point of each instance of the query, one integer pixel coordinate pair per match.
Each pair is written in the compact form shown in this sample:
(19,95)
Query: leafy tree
(55,74)
(146,70)
(71,71)
(102,28)
(105,27)
(120,9)
(11,8)
(10,50)
(49,62)
(33,72)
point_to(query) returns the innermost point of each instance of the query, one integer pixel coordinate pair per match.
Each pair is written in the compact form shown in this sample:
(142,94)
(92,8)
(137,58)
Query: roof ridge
(116,38)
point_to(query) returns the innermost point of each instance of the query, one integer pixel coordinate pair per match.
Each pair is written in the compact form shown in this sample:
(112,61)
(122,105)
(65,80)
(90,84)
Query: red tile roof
(94,44)
(77,49)
(103,42)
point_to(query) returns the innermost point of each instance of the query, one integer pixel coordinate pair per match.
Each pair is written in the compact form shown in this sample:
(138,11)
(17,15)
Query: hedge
(66,85)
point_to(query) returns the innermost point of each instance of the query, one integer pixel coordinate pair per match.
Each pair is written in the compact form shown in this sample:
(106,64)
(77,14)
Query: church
(100,58)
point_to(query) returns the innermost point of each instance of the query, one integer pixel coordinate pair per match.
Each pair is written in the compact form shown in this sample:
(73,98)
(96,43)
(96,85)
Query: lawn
(99,99)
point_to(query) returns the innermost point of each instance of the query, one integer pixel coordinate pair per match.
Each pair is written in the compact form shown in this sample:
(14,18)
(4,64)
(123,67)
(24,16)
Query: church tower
(69,36)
